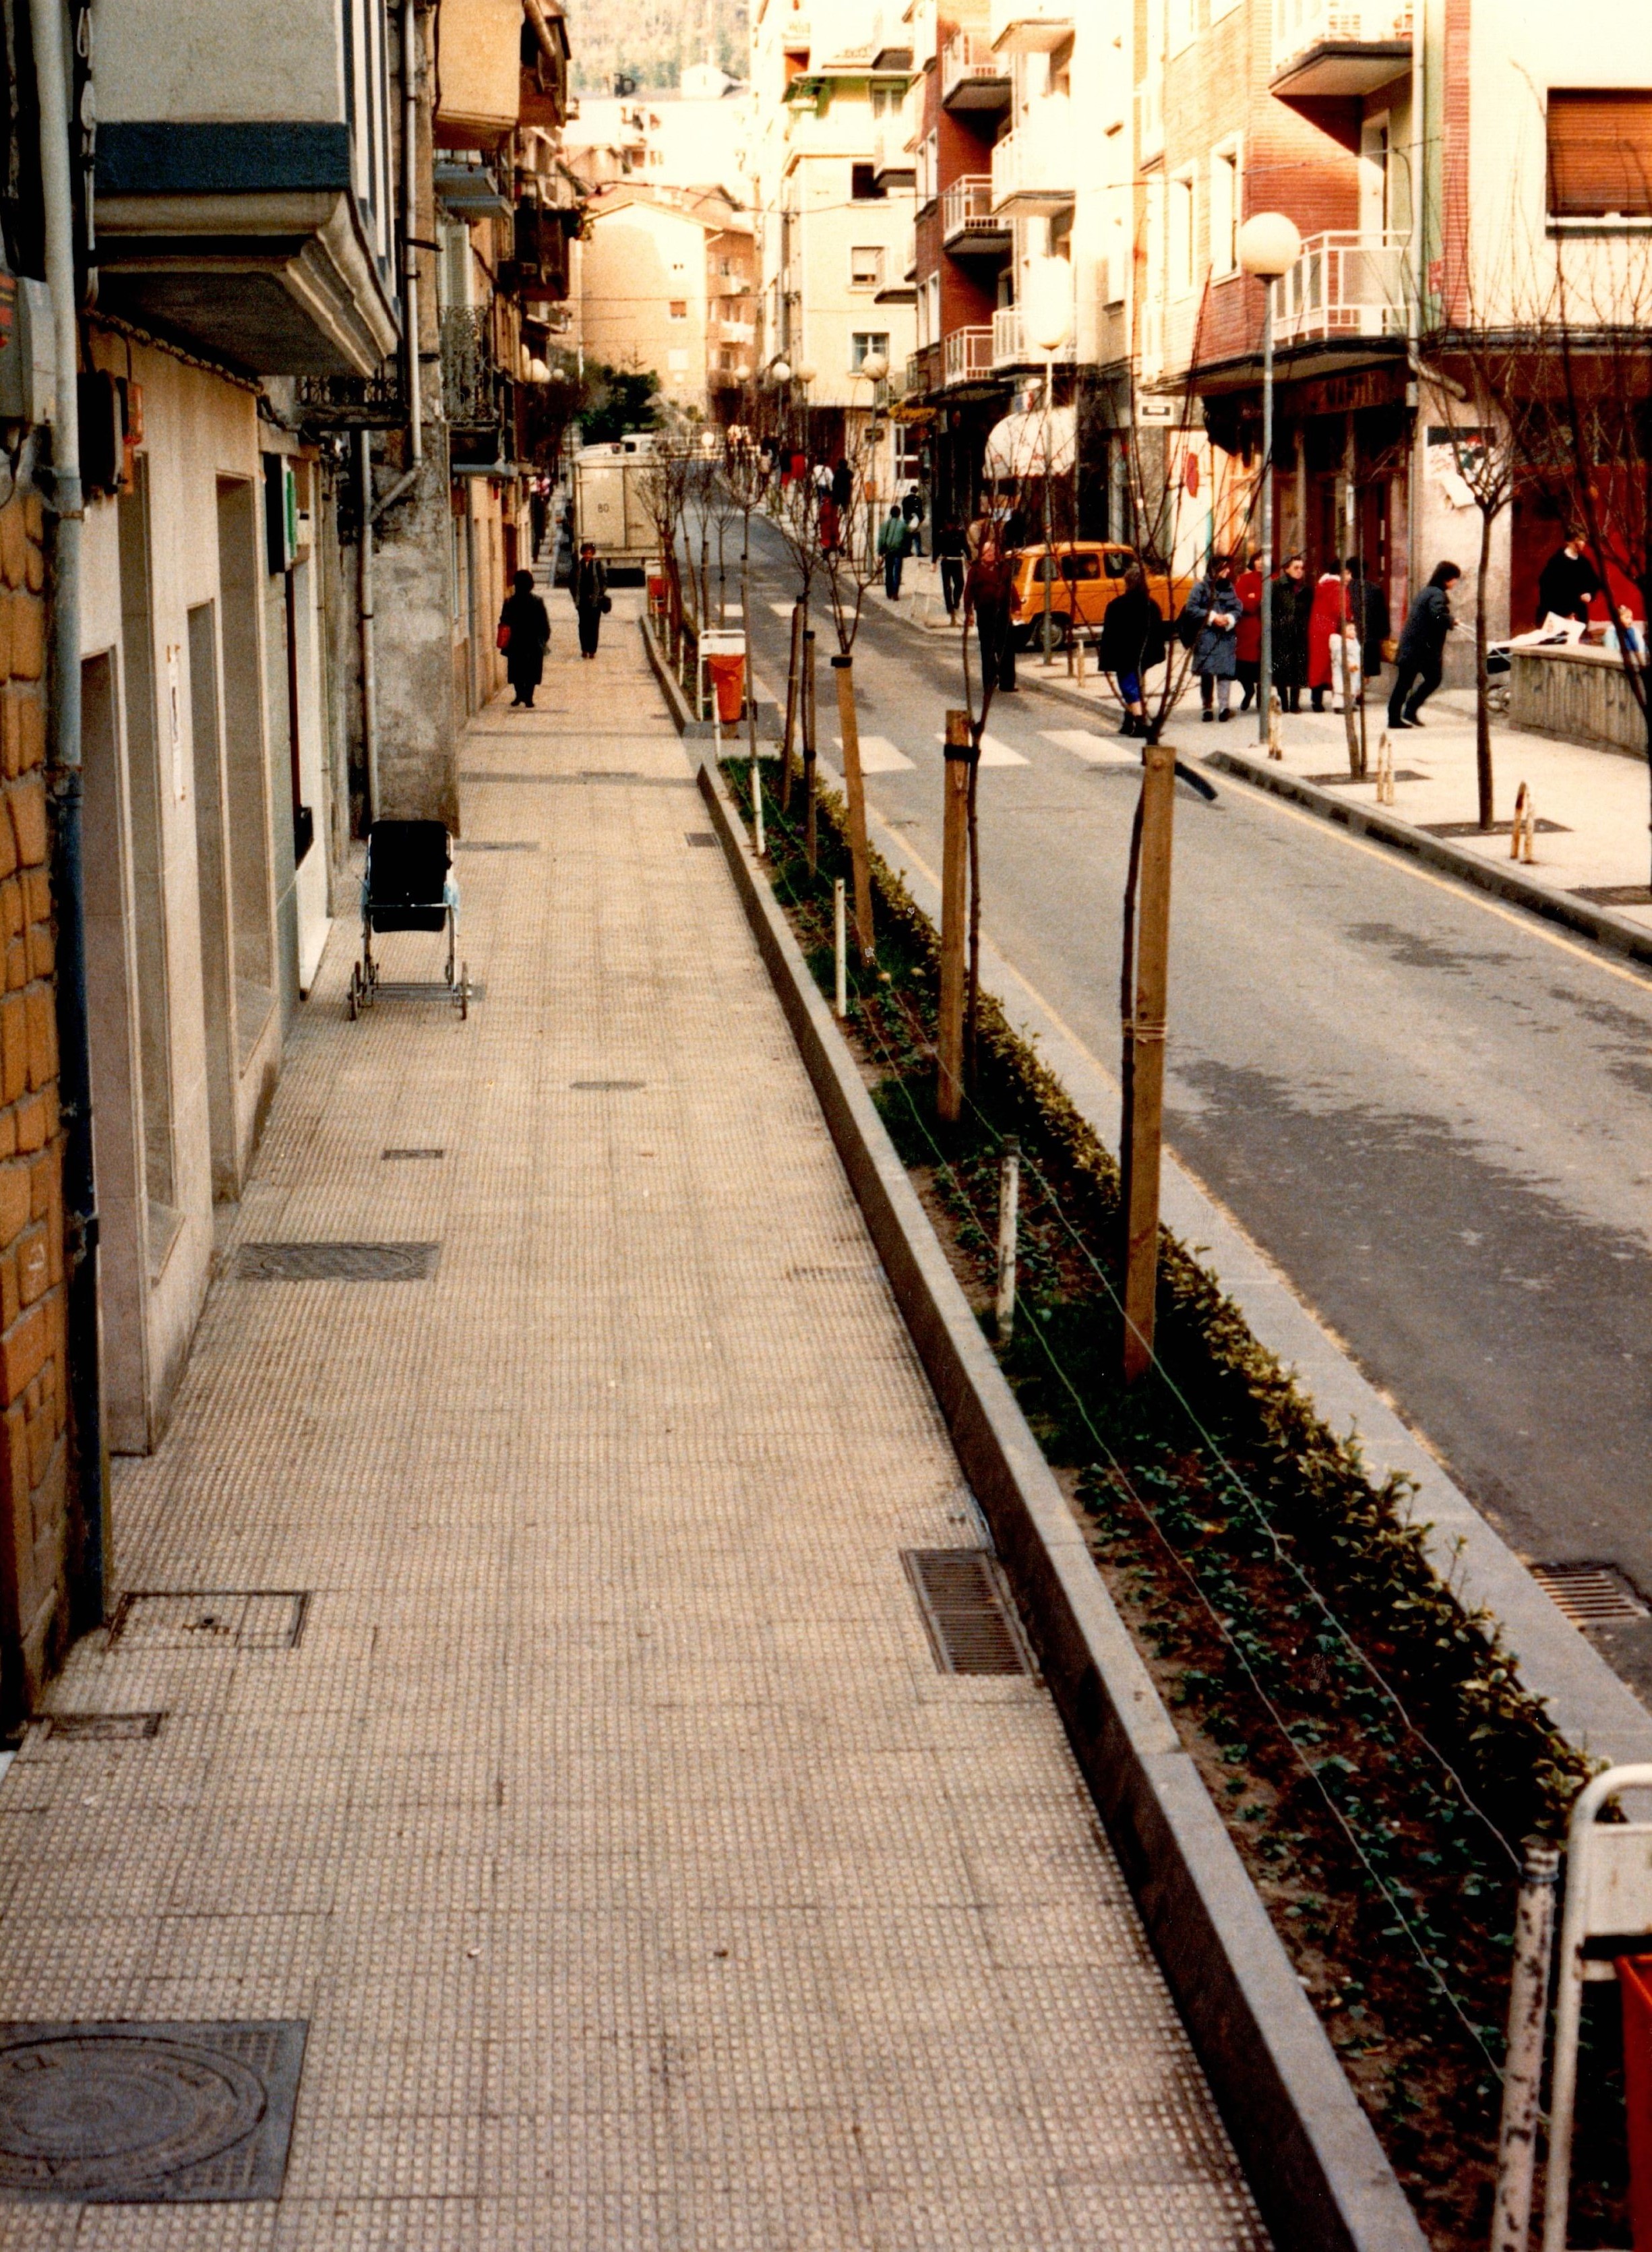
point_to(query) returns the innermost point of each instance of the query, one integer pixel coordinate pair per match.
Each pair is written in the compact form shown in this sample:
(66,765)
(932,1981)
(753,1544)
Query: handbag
(502,639)
(607,605)
(1390,649)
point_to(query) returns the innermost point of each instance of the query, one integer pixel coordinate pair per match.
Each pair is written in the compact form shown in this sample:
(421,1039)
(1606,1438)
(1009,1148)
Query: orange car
(1087,574)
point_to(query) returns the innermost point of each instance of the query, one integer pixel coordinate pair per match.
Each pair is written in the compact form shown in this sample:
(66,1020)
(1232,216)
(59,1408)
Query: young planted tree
(792,502)
(847,570)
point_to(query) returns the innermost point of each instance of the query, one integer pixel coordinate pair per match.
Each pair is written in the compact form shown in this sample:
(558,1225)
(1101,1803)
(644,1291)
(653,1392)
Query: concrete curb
(1597,923)
(701,731)
(1314,2162)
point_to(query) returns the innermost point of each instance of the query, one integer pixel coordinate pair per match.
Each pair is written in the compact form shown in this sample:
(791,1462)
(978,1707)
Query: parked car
(1084,576)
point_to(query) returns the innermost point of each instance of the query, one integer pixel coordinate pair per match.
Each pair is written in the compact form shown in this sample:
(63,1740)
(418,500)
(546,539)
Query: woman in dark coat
(1288,602)
(527,630)
(1422,647)
(1214,607)
(1132,645)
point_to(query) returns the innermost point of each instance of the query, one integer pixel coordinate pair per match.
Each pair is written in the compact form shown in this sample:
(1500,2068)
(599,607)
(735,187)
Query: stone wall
(1579,696)
(33,1376)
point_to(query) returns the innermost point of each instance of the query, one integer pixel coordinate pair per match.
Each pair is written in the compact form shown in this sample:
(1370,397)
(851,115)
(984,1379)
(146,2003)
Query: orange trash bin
(728,681)
(1635,1983)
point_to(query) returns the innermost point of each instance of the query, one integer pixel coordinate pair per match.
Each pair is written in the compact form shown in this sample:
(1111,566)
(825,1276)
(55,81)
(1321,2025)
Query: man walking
(589,587)
(987,592)
(1422,647)
(892,545)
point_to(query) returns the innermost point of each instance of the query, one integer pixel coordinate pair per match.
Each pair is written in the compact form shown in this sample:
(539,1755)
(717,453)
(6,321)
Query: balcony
(1031,27)
(892,160)
(469,379)
(1032,168)
(241,203)
(968,220)
(923,372)
(736,332)
(1343,285)
(1339,48)
(972,77)
(1011,345)
(891,37)
(966,356)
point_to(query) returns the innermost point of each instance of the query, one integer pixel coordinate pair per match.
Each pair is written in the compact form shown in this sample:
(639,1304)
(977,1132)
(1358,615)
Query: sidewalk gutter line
(1314,2164)
(1600,924)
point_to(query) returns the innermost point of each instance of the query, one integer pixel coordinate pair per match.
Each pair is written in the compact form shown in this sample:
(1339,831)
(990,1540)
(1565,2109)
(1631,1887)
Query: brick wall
(33,1386)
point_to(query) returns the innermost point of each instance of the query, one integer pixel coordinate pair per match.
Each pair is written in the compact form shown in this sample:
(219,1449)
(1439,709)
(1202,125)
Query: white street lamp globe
(805,371)
(875,367)
(781,374)
(1268,246)
(1047,304)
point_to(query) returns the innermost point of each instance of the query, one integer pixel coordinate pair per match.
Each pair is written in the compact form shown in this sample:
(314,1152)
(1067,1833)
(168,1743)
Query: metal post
(1522,2062)
(1265,700)
(1049,479)
(1145,1079)
(961,756)
(840,950)
(1009,1215)
(810,835)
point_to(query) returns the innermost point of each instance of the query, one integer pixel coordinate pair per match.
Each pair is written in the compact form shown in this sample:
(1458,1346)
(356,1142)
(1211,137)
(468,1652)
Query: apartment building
(258,326)
(833,181)
(1424,151)
(665,281)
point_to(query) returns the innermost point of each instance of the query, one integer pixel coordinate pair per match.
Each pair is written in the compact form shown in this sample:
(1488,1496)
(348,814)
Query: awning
(1016,448)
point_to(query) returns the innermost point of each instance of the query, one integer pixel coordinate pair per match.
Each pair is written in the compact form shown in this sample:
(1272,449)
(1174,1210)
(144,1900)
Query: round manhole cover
(89,2114)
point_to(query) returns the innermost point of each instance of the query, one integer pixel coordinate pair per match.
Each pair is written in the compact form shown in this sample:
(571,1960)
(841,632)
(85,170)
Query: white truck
(610,501)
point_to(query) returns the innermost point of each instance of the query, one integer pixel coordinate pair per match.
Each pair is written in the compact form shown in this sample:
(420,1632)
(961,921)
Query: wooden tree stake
(1144,1075)
(855,791)
(960,757)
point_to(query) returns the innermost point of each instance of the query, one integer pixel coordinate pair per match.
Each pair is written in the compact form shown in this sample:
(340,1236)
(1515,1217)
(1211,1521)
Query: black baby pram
(408,885)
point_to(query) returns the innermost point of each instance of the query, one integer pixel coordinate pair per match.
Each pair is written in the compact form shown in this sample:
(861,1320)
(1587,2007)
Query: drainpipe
(88,1561)
(409,256)
(1420,276)
(365,612)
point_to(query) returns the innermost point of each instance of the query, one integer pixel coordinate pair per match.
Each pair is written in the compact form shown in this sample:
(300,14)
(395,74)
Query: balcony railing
(972,77)
(1011,345)
(966,356)
(736,332)
(923,371)
(1344,285)
(966,215)
(1031,26)
(1328,48)
(1032,168)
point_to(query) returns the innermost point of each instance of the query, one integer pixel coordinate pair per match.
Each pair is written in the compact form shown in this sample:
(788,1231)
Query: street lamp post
(874,367)
(1268,246)
(1049,318)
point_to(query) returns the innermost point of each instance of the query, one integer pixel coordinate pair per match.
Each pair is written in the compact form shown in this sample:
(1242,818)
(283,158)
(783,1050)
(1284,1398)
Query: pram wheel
(352,1002)
(464,990)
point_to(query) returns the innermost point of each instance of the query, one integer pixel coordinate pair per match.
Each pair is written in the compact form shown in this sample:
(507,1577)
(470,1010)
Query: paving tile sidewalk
(642,1880)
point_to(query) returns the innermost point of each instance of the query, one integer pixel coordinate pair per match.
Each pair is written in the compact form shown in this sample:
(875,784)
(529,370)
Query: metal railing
(1011,345)
(923,368)
(1299,24)
(1033,166)
(469,379)
(966,355)
(964,57)
(966,208)
(1344,285)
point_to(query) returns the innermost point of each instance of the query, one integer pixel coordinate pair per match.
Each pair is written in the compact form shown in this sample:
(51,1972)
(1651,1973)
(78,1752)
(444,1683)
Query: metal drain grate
(1344,780)
(103,1728)
(698,837)
(1497,829)
(211,1618)
(1615,895)
(392,1156)
(495,845)
(1589,1594)
(128,2114)
(337,1262)
(606,1085)
(965,1610)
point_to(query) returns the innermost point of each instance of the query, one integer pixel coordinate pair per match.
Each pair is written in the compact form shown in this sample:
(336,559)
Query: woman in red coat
(1325,621)
(1248,587)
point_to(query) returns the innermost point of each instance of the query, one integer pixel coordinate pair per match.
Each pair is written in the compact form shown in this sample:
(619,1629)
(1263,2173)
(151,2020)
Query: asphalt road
(1431,1110)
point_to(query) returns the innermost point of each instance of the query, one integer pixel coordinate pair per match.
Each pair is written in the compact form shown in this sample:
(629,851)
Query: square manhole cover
(336,1263)
(698,837)
(210,1618)
(164,2114)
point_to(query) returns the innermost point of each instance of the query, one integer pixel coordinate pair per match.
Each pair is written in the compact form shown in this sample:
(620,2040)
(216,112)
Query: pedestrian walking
(1250,587)
(1326,619)
(912,507)
(524,636)
(1213,608)
(1422,647)
(1568,583)
(986,601)
(827,525)
(892,545)
(949,552)
(589,587)
(1132,645)
(1288,600)
(842,483)
(538,513)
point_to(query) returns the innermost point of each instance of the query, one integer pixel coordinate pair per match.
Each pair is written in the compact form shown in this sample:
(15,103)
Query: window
(678,309)
(866,267)
(1224,208)
(1600,153)
(863,185)
(1178,240)
(865,342)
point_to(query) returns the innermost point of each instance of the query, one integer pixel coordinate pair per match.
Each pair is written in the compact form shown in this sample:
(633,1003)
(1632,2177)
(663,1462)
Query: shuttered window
(1600,152)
